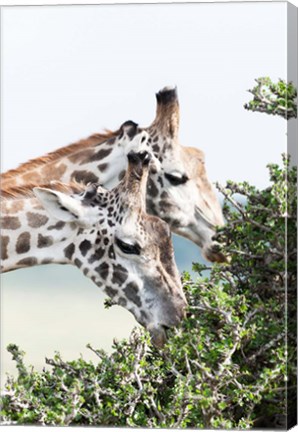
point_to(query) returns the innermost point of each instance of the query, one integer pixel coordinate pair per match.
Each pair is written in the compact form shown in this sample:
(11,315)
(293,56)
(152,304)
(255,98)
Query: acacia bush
(231,363)
(274,98)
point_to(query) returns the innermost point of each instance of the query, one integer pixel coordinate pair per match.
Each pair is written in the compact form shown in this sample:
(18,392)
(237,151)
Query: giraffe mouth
(159,336)
(213,253)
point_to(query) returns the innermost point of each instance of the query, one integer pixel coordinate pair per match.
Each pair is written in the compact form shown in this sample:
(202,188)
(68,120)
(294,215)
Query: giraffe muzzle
(213,254)
(158,336)
(158,332)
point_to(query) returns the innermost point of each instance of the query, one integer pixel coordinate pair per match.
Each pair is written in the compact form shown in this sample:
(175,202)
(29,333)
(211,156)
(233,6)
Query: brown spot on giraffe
(17,206)
(33,177)
(47,261)
(23,243)
(164,195)
(131,292)
(81,157)
(27,262)
(54,170)
(119,273)
(122,302)
(101,154)
(85,246)
(78,263)
(103,270)
(4,244)
(44,241)
(36,220)
(99,253)
(121,175)
(14,207)
(10,222)
(84,176)
(58,226)
(110,291)
(102,167)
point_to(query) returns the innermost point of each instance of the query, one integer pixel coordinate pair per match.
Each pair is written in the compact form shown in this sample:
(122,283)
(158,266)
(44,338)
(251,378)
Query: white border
(12,3)
(94,2)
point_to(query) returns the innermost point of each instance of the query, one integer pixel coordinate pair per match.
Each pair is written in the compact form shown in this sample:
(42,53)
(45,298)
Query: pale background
(68,72)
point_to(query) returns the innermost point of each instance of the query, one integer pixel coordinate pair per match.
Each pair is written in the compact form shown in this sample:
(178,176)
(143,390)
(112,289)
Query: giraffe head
(180,193)
(126,252)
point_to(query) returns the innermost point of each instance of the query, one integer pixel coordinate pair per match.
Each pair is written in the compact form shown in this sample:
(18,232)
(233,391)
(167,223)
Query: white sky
(70,71)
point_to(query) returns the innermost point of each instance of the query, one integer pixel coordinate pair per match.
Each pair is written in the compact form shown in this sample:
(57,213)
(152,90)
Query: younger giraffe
(107,235)
(179,192)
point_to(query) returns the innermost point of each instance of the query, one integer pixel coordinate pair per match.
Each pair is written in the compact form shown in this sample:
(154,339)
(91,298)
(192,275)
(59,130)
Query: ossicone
(167,95)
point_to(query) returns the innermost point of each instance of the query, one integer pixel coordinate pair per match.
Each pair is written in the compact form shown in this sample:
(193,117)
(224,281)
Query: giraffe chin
(158,336)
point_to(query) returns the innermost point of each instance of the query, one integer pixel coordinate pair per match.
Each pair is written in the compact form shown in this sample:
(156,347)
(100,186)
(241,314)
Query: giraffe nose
(172,314)
(177,313)
(213,253)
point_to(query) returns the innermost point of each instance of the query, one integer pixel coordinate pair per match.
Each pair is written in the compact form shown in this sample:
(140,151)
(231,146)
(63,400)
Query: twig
(265,347)
(158,414)
(241,210)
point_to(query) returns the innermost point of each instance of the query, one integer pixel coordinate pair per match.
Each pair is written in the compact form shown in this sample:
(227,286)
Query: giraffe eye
(128,248)
(176,180)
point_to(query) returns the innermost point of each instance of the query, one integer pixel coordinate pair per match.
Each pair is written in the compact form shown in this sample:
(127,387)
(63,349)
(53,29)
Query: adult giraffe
(107,235)
(179,192)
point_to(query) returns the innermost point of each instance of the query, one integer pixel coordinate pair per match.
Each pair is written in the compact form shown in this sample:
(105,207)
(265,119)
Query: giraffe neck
(31,237)
(90,165)
(89,162)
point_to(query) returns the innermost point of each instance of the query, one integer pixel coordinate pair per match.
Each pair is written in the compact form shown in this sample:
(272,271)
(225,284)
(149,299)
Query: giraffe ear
(64,207)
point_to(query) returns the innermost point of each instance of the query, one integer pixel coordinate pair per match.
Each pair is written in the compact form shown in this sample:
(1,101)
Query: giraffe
(179,191)
(104,233)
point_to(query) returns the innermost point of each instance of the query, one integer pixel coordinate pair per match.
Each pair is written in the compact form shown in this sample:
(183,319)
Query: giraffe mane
(27,190)
(93,140)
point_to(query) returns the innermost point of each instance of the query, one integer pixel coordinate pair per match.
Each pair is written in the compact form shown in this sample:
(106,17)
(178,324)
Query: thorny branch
(275,99)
